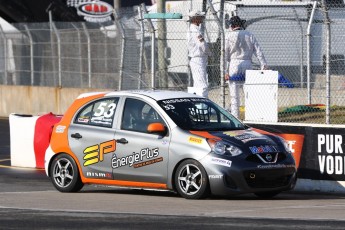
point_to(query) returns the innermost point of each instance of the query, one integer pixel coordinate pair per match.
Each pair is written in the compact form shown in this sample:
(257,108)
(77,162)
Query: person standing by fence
(198,52)
(240,46)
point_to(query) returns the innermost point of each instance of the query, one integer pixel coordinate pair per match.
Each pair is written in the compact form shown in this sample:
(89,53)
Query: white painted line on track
(27,192)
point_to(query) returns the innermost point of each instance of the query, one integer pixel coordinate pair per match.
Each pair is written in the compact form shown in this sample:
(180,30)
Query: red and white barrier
(30,137)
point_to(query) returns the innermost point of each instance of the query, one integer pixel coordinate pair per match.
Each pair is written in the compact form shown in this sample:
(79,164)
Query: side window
(137,115)
(98,113)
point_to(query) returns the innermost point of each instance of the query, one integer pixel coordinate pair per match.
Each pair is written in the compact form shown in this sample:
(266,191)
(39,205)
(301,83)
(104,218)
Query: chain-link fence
(302,40)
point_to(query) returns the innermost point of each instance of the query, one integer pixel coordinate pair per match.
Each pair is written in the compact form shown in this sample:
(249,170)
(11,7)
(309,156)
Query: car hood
(257,142)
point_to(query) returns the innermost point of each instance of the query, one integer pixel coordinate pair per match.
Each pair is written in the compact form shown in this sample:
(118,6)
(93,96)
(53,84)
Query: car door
(140,156)
(91,138)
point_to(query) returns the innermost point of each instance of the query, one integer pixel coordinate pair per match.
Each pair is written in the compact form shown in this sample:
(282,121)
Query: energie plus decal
(136,159)
(95,153)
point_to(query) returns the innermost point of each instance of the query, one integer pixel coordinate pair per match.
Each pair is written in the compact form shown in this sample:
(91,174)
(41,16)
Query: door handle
(122,141)
(76,135)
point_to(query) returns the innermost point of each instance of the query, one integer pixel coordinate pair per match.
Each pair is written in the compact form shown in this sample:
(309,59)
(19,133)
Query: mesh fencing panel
(119,54)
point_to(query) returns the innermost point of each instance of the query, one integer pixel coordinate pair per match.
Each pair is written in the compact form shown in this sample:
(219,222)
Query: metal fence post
(59,54)
(122,31)
(31,55)
(3,35)
(52,45)
(142,37)
(88,53)
(327,23)
(153,46)
(311,19)
(222,63)
(162,44)
(301,58)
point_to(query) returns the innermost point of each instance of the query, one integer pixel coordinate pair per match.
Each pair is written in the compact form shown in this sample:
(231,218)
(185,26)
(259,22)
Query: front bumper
(249,177)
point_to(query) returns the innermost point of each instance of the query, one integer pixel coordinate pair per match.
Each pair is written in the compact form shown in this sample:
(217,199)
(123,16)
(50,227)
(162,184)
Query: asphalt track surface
(28,200)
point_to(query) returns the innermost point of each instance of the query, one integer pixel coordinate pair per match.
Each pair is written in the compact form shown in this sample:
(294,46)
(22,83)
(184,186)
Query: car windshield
(199,114)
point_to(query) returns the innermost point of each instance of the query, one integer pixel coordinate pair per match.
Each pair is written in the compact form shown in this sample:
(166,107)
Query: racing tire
(267,195)
(65,175)
(191,180)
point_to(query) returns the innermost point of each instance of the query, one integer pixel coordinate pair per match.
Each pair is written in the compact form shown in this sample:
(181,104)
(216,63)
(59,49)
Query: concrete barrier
(37,100)
(41,100)
(22,128)
(30,137)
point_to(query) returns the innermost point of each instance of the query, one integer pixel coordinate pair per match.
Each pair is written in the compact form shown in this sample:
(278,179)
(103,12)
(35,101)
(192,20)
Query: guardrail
(319,151)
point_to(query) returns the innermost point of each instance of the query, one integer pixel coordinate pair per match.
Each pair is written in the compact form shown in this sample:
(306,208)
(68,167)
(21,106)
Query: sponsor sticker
(195,140)
(92,11)
(275,166)
(263,149)
(137,159)
(60,129)
(98,175)
(169,104)
(215,176)
(242,135)
(101,120)
(83,120)
(233,133)
(95,153)
(149,162)
(220,161)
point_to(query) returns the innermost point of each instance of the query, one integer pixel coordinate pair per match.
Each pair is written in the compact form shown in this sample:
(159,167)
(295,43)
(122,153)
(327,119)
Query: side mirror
(158,128)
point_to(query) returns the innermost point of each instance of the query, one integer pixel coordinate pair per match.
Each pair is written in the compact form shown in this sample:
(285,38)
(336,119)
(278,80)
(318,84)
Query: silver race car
(165,140)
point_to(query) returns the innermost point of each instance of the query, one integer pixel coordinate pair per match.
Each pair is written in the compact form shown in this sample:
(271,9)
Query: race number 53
(105,109)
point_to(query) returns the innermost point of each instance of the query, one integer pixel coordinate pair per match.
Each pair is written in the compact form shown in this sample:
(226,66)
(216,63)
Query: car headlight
(234,151)
(285,144)
(221,148)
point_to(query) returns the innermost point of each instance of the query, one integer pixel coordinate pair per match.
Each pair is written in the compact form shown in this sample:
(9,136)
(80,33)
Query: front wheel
(65,175)
(191,180)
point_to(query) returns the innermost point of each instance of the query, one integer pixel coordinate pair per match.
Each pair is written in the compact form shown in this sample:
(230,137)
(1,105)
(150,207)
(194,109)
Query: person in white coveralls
(240,46)
(198,52)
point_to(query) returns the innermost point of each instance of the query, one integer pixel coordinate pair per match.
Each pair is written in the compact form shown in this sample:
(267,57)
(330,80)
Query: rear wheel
(191,180)
(65,175)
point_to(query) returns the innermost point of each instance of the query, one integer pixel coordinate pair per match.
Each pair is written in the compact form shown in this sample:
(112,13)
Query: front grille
(272,178)
(256,159)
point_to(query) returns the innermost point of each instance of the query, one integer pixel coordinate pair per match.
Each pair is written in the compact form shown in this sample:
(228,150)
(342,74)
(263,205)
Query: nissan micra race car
(165,140)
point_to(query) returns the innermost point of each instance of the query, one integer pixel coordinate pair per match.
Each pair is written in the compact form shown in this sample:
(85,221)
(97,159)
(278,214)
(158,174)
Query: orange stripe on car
(126,183)
(205,134)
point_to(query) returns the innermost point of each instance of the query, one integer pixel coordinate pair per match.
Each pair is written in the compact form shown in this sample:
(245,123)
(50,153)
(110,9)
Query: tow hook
(252,175)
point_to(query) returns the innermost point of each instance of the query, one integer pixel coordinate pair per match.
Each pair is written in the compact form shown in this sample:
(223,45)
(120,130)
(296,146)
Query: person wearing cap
(198,52)
(240,46)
